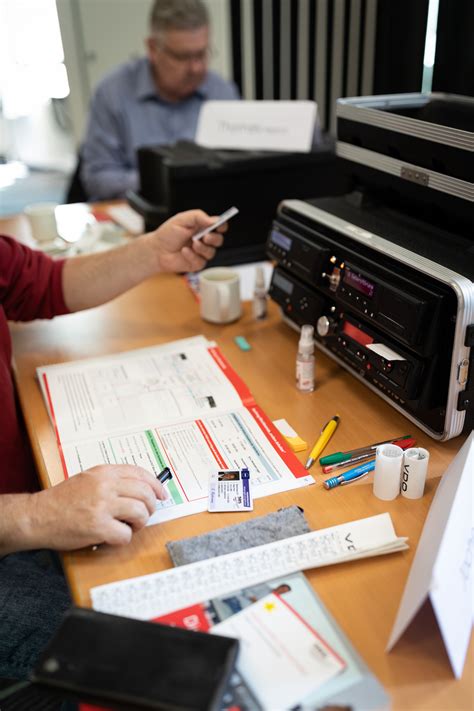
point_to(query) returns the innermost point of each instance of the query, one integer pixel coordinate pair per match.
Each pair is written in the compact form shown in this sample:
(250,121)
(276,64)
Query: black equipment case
(415,151)
(385,273)
(184,176)
(399,321)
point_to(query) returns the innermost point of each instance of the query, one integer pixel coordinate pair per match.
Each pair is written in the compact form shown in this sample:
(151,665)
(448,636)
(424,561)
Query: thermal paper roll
(388,471)
(414,470)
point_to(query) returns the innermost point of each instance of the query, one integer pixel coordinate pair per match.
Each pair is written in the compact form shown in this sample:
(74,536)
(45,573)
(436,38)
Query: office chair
(76,191)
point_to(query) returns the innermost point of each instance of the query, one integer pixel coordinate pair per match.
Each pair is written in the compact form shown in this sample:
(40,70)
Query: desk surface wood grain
(363,595)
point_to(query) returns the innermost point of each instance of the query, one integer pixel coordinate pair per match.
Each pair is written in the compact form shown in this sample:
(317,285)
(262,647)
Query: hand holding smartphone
(220,221)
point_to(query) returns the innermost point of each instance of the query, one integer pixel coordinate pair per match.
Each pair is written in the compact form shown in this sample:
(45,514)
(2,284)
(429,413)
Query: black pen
(164,475)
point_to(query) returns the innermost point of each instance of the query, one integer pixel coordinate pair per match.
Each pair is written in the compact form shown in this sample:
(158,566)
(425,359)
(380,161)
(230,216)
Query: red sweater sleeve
(30,282)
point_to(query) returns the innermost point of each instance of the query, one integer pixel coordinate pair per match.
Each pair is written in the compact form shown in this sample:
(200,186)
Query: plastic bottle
(305,360)
(259,295)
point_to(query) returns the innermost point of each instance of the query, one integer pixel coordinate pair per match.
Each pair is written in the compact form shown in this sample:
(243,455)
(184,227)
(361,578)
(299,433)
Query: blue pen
(351,475)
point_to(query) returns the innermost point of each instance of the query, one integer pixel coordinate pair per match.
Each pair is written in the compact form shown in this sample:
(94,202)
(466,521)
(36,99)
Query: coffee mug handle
(224,302)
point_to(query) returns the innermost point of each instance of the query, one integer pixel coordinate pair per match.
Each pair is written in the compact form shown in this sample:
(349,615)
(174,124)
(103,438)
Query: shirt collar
(146,88)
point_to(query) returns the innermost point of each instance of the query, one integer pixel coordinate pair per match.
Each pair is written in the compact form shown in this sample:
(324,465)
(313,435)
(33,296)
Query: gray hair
(178,15)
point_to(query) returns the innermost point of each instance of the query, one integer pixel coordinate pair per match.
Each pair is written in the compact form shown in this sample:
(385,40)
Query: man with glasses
(151,100)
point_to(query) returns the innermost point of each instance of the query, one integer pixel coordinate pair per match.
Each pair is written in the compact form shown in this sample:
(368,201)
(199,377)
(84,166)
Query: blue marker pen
(351,475)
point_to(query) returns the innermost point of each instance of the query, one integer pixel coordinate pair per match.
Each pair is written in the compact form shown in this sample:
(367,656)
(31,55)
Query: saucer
(52,247)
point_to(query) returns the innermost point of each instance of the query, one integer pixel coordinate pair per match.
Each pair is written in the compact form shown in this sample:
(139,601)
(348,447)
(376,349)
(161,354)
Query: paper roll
(388,471)
(414,470)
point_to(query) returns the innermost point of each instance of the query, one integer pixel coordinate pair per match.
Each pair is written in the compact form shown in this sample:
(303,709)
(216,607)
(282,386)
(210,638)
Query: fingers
(194,263)
(213,239)
(130,471)
(206,251)
(128,500)
(117,533)
(132,512)
(194,219)
(203,250)
(103,504)
(172,243)
(221,228)
(140,491)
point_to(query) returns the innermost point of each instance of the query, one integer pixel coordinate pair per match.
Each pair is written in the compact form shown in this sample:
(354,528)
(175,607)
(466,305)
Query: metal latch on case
(463,371)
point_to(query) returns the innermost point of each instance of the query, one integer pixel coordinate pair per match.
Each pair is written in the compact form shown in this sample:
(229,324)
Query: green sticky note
(243,344)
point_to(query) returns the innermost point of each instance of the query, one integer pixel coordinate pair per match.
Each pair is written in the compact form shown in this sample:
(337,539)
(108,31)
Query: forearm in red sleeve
(30,283)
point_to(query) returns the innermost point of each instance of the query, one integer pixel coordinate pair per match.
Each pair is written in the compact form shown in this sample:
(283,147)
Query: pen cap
(306,342)
(414,470)
(388,471)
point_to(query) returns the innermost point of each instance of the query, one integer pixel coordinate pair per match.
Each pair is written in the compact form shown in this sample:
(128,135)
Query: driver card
(229,490)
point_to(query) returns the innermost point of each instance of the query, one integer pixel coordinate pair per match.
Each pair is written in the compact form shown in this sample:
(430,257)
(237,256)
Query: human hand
(105,504)
(174,248)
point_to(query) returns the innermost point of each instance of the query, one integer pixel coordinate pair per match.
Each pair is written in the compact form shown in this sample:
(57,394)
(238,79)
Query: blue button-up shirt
(126,112)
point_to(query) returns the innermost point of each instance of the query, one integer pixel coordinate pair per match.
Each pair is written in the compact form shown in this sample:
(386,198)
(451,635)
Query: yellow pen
(326,434)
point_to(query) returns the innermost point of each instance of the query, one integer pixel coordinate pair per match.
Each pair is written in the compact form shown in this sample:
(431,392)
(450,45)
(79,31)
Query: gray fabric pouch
(275,526)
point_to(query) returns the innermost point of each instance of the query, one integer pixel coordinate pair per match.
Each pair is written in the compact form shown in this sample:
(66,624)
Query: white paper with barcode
(151,596)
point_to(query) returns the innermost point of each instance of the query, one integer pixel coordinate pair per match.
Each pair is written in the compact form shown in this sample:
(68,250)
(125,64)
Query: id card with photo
(230,490)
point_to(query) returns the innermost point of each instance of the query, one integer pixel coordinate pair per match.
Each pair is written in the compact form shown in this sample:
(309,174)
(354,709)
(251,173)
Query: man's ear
(150,46)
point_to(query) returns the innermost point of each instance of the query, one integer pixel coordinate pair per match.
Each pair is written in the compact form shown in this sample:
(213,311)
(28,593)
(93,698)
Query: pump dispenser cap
(306,343)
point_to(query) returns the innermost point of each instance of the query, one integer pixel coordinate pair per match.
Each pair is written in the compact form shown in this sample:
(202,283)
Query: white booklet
(179,405)
(150,596)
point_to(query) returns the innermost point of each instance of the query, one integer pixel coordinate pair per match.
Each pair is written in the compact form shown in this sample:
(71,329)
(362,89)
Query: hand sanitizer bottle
(305,360)
(259,295)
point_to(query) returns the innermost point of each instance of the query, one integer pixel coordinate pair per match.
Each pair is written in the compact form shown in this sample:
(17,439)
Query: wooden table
(363,595)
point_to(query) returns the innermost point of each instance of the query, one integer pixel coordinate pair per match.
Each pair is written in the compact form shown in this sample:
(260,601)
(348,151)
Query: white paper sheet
(382,350)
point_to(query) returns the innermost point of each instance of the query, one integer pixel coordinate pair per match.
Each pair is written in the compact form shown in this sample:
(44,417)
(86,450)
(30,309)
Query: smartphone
(137,664)
(220,221)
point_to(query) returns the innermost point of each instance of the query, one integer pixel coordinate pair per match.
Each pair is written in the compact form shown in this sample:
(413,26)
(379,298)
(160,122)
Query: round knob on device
(325,326)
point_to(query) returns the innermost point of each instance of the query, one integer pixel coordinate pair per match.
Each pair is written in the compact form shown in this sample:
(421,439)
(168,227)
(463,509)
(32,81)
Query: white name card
(257,125)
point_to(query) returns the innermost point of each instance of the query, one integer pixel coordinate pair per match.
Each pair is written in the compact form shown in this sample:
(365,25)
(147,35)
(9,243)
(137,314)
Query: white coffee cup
(42,219)
(219,291)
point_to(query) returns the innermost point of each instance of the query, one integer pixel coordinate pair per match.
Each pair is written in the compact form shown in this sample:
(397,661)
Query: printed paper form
(151,596)
(276,643)
(149,386)
(179,405)
(192,449)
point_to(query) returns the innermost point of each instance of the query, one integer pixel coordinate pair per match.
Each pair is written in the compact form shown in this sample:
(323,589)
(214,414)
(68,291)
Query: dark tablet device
(137,664)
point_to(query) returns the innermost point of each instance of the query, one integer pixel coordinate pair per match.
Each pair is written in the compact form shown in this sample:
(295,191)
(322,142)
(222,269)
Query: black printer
(184,176)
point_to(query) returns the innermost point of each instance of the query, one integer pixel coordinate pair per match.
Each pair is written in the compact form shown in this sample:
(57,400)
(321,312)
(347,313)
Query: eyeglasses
(201,55)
